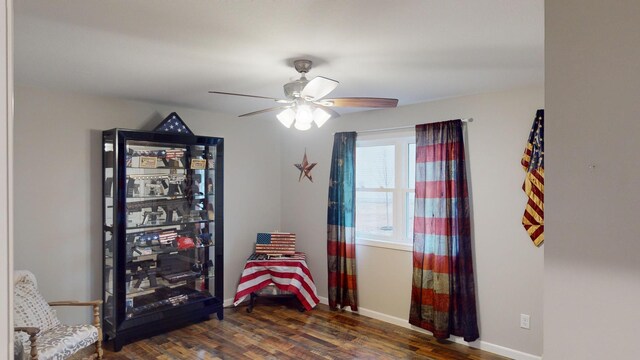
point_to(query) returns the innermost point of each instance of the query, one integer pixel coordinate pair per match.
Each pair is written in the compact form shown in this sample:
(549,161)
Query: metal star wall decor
(305,168)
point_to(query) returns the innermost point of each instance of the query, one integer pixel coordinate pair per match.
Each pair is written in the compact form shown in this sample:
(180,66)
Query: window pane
(412,166)
(411,199)
(375,167)
(374,213)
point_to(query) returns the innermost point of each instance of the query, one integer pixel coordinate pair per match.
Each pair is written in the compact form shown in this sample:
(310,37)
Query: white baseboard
(479,344)
(227,302)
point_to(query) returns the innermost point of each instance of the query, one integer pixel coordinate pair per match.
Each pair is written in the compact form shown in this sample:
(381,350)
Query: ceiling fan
(305,101)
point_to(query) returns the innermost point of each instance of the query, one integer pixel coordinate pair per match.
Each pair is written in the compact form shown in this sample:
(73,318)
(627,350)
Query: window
(385,183)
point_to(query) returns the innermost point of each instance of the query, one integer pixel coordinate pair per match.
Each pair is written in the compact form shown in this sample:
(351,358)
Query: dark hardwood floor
(276,330)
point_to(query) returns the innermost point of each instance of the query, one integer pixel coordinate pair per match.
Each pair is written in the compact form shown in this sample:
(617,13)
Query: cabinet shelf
(165,197)
(159,168)
(162,283)
(161,251)
(133,292)
(136,292)
(172,224)
(149,205)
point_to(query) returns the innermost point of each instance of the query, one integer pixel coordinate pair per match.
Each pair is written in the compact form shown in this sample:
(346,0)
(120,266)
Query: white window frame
(399,240)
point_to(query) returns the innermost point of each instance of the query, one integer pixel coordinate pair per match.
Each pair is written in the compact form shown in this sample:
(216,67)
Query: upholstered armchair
(39,332)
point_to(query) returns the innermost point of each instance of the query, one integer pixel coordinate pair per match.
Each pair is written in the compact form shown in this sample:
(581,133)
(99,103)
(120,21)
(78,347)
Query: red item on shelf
(185,243)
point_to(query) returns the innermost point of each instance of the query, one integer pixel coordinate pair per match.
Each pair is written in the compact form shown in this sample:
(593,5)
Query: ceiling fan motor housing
(293,89)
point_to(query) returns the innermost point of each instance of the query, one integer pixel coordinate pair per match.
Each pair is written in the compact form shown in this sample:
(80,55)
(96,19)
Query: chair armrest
(75,303)
(96,310)
(32,331)
(29,330)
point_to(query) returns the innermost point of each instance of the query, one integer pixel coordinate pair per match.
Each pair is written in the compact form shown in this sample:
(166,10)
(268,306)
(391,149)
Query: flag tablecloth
(288,274)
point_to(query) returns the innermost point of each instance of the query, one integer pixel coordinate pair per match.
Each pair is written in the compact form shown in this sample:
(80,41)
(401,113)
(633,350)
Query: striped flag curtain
(341,232)
(533,163)
(443,290)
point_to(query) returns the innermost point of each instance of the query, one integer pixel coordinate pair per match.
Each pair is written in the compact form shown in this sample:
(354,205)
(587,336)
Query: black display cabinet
(163,232)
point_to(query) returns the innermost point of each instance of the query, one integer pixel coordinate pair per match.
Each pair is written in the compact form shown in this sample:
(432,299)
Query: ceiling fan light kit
(304,103)
(303,116)
(286,117)
(320,117)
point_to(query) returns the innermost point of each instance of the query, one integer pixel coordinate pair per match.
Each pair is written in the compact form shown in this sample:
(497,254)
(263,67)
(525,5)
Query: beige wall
(509,268)
(57,184)
(57,215)
(592,270)
(6,195)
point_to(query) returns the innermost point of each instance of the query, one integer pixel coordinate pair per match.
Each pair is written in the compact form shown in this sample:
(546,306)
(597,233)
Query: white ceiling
(173,52)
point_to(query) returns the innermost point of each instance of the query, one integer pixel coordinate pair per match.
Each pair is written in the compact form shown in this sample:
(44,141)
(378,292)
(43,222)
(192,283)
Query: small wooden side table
(289,274)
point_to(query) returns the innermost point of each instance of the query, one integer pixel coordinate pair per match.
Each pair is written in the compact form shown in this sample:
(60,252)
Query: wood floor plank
(274,331)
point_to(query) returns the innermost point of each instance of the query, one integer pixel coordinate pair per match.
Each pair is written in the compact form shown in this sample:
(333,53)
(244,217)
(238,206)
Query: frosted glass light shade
(304,115)
(302,126)
(286,117)
(320,117)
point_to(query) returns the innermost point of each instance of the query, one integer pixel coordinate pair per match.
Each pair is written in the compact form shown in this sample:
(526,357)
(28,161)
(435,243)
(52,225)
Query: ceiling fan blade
(361,102)
(318,87)
(264,111)
(333,113)
(234,94)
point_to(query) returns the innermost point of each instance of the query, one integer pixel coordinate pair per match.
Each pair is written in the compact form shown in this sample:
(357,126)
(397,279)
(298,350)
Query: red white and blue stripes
(341,231)
(290,275)
(533,163)
(443,290)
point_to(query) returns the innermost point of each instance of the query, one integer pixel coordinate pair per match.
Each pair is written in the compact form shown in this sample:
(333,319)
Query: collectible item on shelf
(148,239)
(206,267)
(168,236)
(180,206)
(132,188)
(141,270)
(209,186)
(197,267)
(185,243)
(205,239)
(210,212)
(198,164)
(149,158)
(162,231)
(175,268)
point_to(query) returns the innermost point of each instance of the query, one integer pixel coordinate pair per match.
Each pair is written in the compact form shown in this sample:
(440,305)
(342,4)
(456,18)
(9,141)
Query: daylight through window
(385,183)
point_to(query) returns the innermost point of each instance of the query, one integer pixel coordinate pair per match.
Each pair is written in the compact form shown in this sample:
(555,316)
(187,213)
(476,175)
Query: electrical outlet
(524,321)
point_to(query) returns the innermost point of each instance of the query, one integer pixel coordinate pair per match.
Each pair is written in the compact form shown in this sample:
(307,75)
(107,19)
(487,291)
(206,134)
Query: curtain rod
(467,120)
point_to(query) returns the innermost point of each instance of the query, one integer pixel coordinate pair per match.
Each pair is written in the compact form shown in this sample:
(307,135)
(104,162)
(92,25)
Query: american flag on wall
(276,243)
(173,123)
(533,163)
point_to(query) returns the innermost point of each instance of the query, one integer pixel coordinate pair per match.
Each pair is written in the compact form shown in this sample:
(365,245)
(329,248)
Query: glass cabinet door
(108,240)
(169,214)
